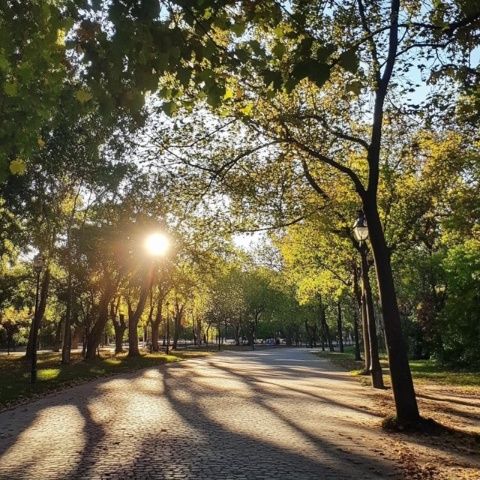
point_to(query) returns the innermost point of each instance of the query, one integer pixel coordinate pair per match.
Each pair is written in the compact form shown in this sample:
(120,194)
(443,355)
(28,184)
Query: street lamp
(360,228)
(38,264)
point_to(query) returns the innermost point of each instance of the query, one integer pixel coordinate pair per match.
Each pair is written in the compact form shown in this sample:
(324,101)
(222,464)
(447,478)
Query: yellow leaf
(60,37)
(228,94)
(18,167)
(40,142)
(247,109)
(83,95)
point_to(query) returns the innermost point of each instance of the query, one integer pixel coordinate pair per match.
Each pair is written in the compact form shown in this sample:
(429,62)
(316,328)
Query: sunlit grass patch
(52,375)
(48,374)
(422,370)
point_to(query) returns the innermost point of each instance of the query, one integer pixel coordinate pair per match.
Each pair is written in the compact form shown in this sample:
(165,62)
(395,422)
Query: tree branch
(329,161)
(370,40)
(335,132)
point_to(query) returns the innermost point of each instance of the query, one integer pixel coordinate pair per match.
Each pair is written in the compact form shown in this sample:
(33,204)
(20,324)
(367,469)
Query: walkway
(269,414)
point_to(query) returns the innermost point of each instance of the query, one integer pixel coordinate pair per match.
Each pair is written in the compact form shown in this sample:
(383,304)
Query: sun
(157,244)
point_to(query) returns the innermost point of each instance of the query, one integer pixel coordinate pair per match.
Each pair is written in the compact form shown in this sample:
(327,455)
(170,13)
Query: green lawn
(15,372)
(422,370)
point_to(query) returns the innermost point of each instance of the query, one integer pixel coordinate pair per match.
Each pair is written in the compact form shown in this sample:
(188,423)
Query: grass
(15,384)
(427,371)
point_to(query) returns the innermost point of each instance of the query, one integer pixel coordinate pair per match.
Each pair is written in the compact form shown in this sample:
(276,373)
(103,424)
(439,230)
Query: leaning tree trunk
(375,368)
(402,383)
(95,334)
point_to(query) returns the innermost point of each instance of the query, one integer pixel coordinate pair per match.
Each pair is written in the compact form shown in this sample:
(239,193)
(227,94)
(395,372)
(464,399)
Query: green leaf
(354,87)
(274,78)
(10,89)
(349,60)
(242,54)
(324,51)
(4,63)
(238,28)
(162,61)
(184,75)
(318,73)
(83,95)
(215,94)
(168,108)
(255,46)
(279,50)
(174,54)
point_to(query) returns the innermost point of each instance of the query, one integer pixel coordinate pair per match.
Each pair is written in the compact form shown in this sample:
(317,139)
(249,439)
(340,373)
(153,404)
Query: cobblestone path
(269,414)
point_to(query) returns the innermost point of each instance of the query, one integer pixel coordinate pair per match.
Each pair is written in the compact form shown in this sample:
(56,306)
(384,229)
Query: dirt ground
(452,451)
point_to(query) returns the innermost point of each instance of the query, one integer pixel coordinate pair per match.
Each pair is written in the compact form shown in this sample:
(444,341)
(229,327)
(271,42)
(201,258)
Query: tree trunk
(339,327)
(374,368)
(177,324)
(37,320)
(133,350)
(119,333)
(95,334)
(156,325)
(57,343)
(325,329)
(199,330)
(236,332)
(176,330)
(155,336)
(355,334)
(67,331)
(119,328)
(366,334)
(402,383)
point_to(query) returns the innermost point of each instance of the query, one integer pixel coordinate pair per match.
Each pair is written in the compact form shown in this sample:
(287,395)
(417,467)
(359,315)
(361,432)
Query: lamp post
(360,232)
(38,264)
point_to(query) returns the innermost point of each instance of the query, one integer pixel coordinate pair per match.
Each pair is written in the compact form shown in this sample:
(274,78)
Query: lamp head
(360,228)
(38,263)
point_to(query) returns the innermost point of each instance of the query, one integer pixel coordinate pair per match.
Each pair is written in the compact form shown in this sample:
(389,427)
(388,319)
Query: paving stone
(269,414)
